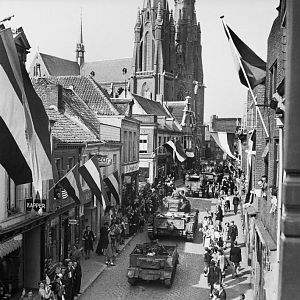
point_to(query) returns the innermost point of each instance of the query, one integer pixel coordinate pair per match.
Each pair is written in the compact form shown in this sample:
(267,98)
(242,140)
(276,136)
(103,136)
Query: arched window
(147,52)
(145,90)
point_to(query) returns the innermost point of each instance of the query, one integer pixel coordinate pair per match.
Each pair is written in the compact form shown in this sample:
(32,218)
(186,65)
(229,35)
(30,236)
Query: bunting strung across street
(70,182)
(24,125)
(177,150)
(225,140)
(91,174)
(112,182)
(254,66)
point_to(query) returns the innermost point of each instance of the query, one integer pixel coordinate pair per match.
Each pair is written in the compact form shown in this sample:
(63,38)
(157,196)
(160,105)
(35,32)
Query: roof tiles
(57,66)
(91,93)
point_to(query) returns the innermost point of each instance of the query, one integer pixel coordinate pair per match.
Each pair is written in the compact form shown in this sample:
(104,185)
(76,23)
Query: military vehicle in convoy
(152,261)
(195,183)
(175,218)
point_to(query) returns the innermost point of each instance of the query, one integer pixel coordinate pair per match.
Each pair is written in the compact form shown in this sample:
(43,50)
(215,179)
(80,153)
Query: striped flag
(71,184)
(225,140)
(64,194)
(24,128)
(112,181)
(177,150)
(91,174)
(254,66)
(251,151)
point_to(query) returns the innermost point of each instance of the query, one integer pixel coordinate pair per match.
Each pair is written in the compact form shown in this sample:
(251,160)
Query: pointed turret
(137,38)
(138,19)
(159,15)
(80,46)
(158,60)
(171,18)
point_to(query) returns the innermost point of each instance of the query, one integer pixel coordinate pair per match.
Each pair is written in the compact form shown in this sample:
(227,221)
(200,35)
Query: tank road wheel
(168,282)
(132,281)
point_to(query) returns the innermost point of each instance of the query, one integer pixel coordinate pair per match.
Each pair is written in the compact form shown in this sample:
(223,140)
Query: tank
(153,261)
(175,218)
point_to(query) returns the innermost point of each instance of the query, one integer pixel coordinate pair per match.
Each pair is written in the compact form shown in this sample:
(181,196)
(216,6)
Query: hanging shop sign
(103,160)
(35,205)
(131,168)
(73,222)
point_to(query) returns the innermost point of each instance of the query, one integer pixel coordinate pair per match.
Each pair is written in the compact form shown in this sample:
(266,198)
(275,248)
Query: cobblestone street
(112,283)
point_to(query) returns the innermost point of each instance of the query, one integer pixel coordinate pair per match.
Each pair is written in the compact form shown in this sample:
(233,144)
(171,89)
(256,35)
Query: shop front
(63,230)
(22,255)
(11,261)
(130,183)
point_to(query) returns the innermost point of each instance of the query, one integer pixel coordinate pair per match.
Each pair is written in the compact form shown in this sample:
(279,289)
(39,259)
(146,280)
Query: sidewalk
(93,267)
(241,284)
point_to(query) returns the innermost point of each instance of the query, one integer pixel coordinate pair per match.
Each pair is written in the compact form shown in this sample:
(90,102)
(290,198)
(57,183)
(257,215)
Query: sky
(52,27)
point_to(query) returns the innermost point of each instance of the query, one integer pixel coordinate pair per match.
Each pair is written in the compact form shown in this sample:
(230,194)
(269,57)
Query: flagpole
(246,77)
(62,178)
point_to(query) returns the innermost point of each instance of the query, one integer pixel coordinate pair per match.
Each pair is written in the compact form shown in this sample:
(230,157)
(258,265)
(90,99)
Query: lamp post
(124,71)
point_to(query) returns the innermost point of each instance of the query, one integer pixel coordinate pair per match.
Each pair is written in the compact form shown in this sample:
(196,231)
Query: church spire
(138,18)
(80,46)
(159,16)
(81,34)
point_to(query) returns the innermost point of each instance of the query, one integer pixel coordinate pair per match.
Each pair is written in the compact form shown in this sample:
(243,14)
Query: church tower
(80,46)
(167,59)
(152,48)
(189,69)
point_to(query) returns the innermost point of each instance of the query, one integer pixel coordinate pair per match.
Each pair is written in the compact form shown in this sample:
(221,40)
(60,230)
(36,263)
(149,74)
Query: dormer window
(38,70)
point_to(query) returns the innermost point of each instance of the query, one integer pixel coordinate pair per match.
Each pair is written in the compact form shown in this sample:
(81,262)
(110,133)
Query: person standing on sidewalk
(207,260)
(214,276)
(236,202)
(88,238)
(235,258)
(77,278)
(219,217)
(232,232)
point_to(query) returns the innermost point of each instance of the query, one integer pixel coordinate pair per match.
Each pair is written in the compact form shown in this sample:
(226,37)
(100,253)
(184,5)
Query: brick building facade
(262,223)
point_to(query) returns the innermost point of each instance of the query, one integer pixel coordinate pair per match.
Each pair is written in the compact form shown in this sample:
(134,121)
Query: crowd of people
(124,222)
(218,236)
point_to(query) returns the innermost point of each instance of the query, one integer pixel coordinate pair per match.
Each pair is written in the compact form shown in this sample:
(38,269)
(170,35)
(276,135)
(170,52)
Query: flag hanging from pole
(91,174)
(177,150)
(112,182)
(225,140)
(254,66)
(251,152)
(24,128)
(70,182)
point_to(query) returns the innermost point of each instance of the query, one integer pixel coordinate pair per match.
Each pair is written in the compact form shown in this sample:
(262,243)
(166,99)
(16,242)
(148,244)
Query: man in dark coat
(103,241)
(88,237)
(77,274)
(232,232)
(235,257)
(214,275)
(236,202)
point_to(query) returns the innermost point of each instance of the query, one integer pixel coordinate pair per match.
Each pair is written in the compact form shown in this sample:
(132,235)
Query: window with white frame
(115,162)
(83,183)
(143,143)
(134,147)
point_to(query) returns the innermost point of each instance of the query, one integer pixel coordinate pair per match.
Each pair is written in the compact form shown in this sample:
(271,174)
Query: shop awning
(190,154)
(266,150)
(10,245)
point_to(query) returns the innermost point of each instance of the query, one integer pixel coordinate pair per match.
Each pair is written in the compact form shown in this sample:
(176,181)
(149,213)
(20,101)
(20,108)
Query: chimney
(55,97)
